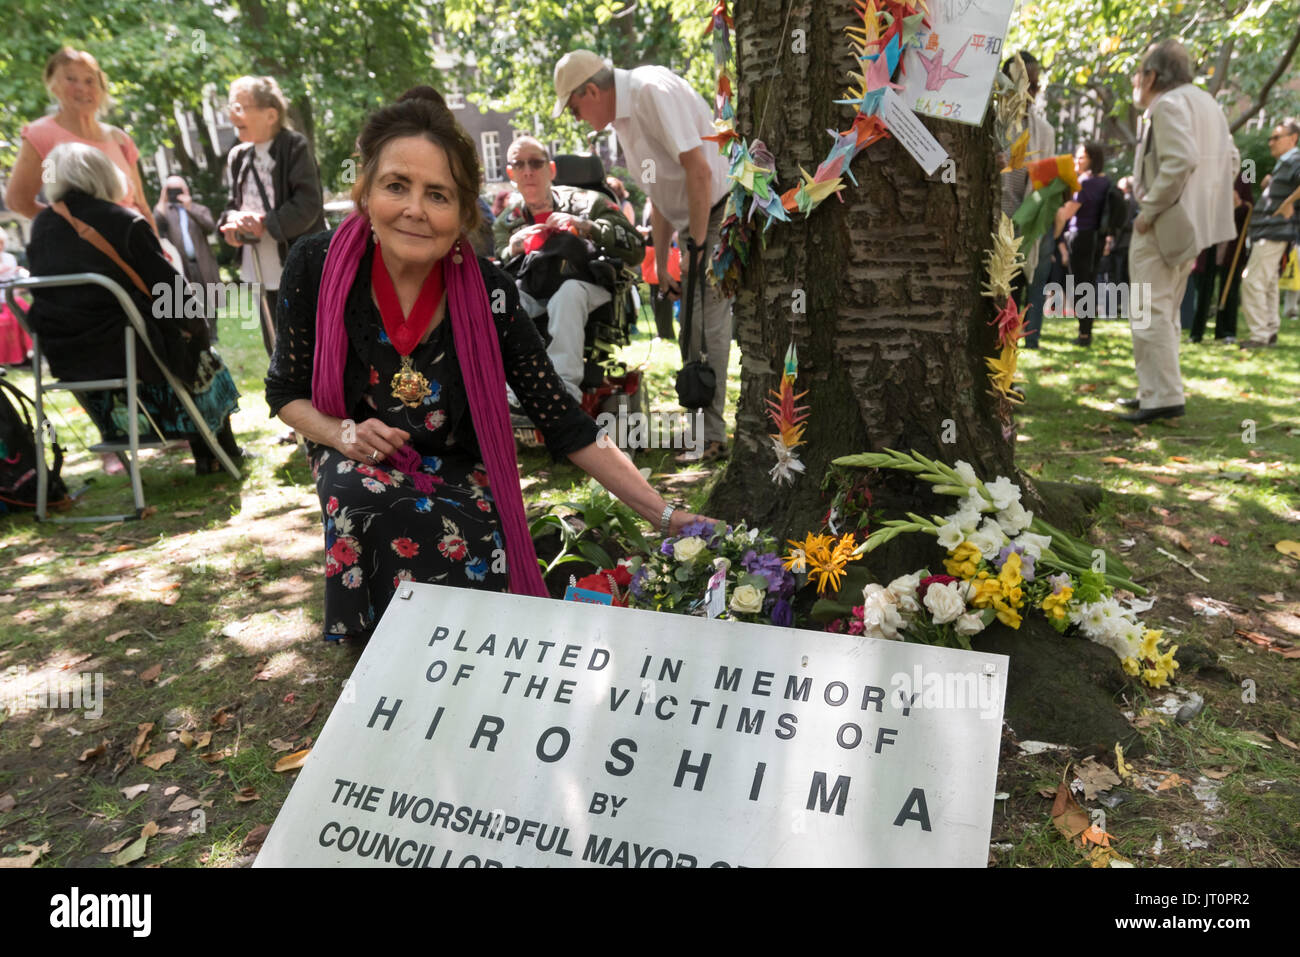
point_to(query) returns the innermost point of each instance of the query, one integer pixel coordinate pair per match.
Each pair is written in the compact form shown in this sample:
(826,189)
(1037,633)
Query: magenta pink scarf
(474,333)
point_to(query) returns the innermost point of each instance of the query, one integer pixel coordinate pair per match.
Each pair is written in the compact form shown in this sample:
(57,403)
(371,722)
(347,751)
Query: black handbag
(697,383)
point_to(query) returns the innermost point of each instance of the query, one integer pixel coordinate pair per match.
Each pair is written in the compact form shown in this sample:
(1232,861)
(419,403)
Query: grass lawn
(204,619)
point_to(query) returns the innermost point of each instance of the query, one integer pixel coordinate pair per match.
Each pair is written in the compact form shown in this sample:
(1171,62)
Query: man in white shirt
(661,123)
(1183,174)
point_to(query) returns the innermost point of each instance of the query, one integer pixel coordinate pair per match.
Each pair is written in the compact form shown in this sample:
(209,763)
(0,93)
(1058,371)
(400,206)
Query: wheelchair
(608,385)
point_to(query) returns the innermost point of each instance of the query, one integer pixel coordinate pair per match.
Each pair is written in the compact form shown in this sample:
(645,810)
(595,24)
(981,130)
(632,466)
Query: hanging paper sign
(949,74)
(911,132)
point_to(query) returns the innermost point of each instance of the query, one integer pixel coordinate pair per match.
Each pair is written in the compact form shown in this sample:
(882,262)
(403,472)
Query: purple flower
(768,565)
(1059,582)
(637,585)
(1026,560)
(666,548)
(782,613)
(704,530)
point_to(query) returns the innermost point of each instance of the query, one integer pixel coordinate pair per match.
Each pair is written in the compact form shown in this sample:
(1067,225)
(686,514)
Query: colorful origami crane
(937,73)
(789,421)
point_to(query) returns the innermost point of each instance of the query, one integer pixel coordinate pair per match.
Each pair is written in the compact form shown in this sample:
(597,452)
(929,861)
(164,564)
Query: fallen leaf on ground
(1218,774)
(115,846)
(131,853)
(212,757)
(289,698)
(1179,458)
(27,860)
(183,803)
(140,745)
(1095,835)
(151,674)
(168,792)
(1287,741)
(1181,541)
(255,838)
(222,717)
(1165,479)
(1070,819)
(1172,781)
(1047,792)
(91,753)
(1122,768)
(245,795)
(1273,598)
(7,803)
(1289,548)
(278,744)
(1255,737)
(149,830)
(1218,540)
(117,635)
(134,791)
(311,716)
(204,740)
(35,742)
(186,739)
(149,511)
(1095,778)
(1113,460)
(291,762)
(1200,496)
(156,761)
(187,514)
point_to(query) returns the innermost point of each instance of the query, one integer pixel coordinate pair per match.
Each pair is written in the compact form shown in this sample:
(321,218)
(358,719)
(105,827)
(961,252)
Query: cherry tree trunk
(894,332)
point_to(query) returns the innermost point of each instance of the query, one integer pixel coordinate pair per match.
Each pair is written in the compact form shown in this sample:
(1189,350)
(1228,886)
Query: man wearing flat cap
(661,122)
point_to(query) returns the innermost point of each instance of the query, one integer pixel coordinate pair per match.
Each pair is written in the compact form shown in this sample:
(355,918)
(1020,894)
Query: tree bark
(892,344)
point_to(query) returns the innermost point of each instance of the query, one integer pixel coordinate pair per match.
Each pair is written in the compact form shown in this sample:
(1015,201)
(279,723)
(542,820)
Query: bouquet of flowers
(996,555)
(740,561)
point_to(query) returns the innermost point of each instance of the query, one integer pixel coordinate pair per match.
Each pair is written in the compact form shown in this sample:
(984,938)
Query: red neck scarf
(405,332)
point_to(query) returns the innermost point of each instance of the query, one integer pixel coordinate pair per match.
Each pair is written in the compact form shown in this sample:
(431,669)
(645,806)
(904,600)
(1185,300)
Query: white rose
(904,589)
(1033,543)
(951,535)
(880,616)
(969,624)
(945,603)
(747,600)
(686,549)
(966,474)
(1003,492)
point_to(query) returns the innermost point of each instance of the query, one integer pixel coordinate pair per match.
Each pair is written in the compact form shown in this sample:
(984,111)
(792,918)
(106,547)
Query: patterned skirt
(380,530)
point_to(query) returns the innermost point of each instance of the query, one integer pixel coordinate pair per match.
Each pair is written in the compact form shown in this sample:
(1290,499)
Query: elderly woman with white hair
(81,327)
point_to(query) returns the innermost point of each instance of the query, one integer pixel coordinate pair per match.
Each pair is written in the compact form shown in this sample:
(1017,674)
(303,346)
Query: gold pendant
(410,387)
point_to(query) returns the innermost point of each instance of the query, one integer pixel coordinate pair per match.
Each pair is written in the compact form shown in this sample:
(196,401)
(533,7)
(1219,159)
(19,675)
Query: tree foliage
(1090,48)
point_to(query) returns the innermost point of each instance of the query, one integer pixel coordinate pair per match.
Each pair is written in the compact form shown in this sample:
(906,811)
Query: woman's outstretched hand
(682,518)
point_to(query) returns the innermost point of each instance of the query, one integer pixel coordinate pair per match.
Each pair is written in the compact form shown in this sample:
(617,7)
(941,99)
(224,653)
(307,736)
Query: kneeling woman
(393,349)
(81,327)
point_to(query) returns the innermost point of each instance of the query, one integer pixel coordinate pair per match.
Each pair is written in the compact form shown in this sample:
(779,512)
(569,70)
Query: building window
(492,156)
(455,101)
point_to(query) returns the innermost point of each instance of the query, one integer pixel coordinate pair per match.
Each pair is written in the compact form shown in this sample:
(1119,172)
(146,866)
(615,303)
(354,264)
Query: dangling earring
(456,256)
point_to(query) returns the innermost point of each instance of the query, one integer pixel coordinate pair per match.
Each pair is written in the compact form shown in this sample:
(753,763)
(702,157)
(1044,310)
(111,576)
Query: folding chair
(128,451)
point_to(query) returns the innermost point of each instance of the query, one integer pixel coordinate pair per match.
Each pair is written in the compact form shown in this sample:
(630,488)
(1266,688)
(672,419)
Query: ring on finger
(374,456)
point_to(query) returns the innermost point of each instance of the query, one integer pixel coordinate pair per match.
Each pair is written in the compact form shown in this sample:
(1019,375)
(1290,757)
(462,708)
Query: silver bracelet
(665,519)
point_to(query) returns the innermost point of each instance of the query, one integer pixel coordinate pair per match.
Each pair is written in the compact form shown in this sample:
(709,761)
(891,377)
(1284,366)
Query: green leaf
(595,554)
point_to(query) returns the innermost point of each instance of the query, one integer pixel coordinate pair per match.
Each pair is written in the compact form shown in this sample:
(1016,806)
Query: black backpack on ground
(18,455)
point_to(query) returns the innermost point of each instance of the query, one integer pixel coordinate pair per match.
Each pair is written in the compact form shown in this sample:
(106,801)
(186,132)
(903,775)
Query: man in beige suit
(1183,175)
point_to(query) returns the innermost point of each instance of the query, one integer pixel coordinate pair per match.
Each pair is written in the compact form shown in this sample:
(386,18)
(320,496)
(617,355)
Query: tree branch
(1262,98)
(1221,68)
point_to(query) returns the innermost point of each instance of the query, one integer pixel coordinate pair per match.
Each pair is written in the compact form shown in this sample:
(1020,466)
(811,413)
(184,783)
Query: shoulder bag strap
(92,235)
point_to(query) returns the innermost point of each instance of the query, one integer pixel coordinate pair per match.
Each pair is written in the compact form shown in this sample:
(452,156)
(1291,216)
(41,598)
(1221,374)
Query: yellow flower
(1155,678)
(963,561)
(1010,573)
(823,558)
(1150,648)
(1055,606)
(1006,614)
(987,591)
(1131,666)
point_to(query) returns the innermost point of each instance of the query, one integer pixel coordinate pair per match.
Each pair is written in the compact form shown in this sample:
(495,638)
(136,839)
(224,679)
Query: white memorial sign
(494,730)
(951,73)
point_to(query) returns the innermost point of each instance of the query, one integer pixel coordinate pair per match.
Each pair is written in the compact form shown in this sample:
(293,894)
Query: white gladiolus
(1014,519)
(966,474)
(989,539)
(951,535)
(1003,492)
(1033,543)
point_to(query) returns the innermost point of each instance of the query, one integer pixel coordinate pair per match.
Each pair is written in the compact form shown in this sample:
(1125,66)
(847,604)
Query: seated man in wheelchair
(571,234)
